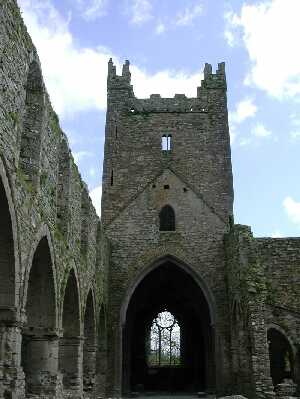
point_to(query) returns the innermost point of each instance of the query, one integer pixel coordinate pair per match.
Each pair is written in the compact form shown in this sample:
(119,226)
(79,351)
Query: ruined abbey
(165,294)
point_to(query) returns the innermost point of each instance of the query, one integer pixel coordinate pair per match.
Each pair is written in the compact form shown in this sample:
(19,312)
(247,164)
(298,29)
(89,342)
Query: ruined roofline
(210,80)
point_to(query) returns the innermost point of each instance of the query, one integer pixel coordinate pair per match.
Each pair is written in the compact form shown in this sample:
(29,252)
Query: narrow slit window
(112,178)
(167,219)
(169,142)
(164,143)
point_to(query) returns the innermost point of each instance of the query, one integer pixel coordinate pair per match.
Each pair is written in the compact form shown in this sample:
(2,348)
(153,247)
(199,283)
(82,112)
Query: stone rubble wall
(46,195)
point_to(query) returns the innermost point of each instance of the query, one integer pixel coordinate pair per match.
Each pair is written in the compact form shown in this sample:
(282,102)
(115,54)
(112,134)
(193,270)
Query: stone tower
(167,201)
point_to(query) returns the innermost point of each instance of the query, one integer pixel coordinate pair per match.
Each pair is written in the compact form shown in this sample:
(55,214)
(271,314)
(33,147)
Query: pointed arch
(148,265)
(167,218)
(38,349)
(70,346)
(89,347)
(33,116)
(43,234)
(9,254)
(155,290)
(71,307)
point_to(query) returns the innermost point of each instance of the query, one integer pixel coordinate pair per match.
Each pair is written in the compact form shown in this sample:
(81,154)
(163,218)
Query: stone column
(71,350)
(89,367)
(260,362)
(40,352)
(11,375)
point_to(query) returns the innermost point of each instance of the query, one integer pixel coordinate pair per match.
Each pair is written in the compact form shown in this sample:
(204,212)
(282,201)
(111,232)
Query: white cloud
(92,9)
(167,83)
(244,109)
(76,77)
(295,135)
(95,195)
(160,28)
(260,131)
(232,28)
(295,120)
(92,172)
(292,209)
(270,32)
(276,234)
(188,15)
(244,141)
(140,11)
(80,155)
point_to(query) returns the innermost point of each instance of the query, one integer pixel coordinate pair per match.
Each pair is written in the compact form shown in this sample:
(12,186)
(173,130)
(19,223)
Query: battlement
(157,104)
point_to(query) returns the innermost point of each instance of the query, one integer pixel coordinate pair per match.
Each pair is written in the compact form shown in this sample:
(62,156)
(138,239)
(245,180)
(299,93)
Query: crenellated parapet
(120,86)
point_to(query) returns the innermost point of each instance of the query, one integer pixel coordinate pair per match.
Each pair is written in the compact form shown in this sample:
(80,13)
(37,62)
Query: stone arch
(89,346)
(101,358)
(40,340)
(9,253)
(43,233)
(137,312)
(33,118)
(281,354)
(70,347)
(152,264)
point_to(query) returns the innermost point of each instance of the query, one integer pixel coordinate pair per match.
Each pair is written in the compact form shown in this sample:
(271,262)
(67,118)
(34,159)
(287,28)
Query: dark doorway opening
(168,289)
(281,357)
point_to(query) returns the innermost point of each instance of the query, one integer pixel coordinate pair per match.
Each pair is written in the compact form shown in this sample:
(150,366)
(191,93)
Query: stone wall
(51,225)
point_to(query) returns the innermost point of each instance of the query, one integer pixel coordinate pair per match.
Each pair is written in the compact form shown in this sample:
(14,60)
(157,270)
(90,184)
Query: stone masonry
(78,295)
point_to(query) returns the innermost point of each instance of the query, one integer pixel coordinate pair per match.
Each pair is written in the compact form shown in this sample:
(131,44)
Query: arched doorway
(189,366)
(39,341)
(281,356)
(89,347)
(70,346)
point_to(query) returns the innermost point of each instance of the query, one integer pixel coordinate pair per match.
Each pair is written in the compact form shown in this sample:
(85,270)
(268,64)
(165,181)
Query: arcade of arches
(168,339)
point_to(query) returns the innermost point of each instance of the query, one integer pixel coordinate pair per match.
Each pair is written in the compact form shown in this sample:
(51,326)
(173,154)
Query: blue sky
(167,43)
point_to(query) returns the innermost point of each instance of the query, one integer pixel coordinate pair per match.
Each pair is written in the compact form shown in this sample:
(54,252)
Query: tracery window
(164,341)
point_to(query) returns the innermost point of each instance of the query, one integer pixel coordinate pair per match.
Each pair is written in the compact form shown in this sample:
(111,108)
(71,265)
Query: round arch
(137,312)
(285,334)
(282,354)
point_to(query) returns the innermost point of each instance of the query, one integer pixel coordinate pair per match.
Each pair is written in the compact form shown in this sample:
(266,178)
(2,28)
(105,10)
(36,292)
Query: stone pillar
(89,367)
(40,352)
(71,350)
(101,369)
(263,385)
(11,375)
